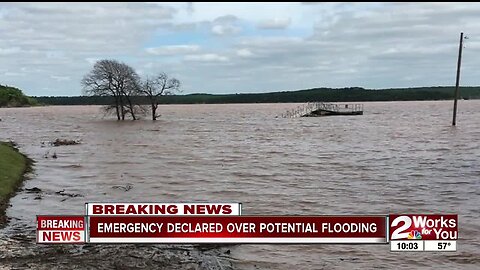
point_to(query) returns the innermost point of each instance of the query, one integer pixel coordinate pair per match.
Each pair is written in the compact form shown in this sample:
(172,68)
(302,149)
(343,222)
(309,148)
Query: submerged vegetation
(59,142)
(122,86)
(14,97)
(315,94)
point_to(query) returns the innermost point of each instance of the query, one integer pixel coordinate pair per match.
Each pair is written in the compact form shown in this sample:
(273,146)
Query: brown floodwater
(399,157)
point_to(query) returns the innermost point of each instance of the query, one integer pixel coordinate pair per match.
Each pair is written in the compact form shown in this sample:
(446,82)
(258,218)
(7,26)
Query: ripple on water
(398,157)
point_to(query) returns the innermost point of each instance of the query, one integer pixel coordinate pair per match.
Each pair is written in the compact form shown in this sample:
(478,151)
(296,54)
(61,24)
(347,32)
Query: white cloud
(332,44)
(275,23)
(10,51)
(13,74)
(208,57)
(244,53)
(222,30)
(226,25)
(60,78)
(91,60)
(173,49)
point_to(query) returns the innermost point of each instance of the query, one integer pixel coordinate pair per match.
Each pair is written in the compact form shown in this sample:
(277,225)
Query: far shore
(250,103)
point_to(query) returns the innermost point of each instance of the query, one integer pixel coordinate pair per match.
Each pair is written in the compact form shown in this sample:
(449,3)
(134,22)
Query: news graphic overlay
(74,229)
(61,229)
(158,209)
(238,229)
(191,223)
(416,232)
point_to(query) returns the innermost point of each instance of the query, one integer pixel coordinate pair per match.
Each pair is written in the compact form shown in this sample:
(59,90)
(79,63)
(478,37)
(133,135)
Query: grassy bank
(13,166)
(13,97)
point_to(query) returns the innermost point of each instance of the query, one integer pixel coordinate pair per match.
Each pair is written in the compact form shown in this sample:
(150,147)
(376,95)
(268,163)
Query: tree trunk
(131,107)
(154,112)
(133,114)
(122,108)
(116,108)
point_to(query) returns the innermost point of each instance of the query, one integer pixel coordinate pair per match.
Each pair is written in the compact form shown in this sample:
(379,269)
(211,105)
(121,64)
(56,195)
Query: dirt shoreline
(21,252)
(18,248)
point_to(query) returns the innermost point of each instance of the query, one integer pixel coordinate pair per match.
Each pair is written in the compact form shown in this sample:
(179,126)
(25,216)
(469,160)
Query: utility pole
(454,121)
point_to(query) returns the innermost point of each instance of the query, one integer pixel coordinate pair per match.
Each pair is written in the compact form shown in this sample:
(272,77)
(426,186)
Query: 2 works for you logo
(414,235)
(423,227)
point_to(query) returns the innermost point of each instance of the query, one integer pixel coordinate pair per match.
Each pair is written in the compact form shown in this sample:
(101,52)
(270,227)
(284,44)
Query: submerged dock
(315,109)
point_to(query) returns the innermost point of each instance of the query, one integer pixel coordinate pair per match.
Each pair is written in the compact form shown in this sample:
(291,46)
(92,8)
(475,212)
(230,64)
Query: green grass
(14,97)
(13,166)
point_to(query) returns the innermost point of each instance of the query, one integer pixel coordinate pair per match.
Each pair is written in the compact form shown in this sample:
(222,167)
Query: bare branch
(116,79)
(154,87)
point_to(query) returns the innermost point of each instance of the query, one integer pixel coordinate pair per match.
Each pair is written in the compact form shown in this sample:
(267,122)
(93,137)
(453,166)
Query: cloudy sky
(46,48)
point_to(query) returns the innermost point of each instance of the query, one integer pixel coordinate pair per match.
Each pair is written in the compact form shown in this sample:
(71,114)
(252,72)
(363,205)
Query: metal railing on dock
(308,108)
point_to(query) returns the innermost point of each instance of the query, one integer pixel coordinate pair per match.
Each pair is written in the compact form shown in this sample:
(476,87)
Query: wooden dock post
(454,121)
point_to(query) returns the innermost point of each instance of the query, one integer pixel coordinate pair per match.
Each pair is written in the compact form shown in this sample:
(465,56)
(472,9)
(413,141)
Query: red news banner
(237,229)
(223,223)
(60,229)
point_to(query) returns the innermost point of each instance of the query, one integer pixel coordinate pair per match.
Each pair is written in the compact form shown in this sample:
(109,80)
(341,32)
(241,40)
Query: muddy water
(399,157)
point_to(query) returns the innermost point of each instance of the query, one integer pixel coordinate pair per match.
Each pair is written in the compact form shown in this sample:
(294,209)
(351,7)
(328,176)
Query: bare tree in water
(115,79)
(154,87)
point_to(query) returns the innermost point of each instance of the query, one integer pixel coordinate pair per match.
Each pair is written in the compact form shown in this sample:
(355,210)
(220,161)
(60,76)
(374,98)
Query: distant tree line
(317,94)
(14,97)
